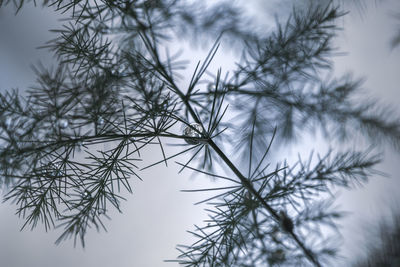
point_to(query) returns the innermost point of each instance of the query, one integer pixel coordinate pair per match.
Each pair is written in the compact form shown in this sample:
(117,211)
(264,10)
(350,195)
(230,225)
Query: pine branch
(115,86)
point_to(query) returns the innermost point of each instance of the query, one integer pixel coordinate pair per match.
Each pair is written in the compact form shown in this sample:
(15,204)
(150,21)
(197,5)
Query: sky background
(155,218)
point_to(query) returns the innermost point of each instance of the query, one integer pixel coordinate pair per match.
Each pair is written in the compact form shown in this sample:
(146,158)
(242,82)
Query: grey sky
(155,218)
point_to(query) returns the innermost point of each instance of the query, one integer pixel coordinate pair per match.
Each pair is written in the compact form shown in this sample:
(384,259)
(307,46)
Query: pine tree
(116,84)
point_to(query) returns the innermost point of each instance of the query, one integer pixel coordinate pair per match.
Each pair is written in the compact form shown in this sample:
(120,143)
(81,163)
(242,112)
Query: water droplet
(63,123)
(80,145)
(194,130)
(211,87)
(87,194)
(100,121)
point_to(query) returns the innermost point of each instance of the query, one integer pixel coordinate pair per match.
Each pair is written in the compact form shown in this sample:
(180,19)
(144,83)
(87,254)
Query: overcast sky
(155,218)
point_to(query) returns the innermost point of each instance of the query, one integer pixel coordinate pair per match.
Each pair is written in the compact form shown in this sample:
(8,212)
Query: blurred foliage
(383,246)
